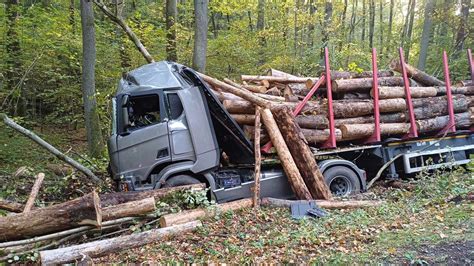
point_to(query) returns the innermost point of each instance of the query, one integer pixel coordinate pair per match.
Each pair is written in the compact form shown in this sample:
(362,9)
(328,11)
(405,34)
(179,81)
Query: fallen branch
(11,206)
(326,204)
(9,122)
(34,192)
(191,215)
(106,246)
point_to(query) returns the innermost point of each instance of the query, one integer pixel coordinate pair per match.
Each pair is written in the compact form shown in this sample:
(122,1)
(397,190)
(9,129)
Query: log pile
(353,103)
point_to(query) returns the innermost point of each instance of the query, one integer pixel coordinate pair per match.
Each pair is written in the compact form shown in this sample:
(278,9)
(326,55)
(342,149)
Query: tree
(362,38)
(371,23)
(13,53)
(94,136)
(171,17)
(353,20)
(261,15)
(381,23)
(327,25)
(410,28)
(463,25)
(390,24)
(200,35)
(425,36)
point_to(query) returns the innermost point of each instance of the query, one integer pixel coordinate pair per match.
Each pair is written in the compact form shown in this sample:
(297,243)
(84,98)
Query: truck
(169,129)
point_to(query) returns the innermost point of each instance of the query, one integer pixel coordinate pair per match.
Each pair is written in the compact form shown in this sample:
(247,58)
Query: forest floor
(413,226)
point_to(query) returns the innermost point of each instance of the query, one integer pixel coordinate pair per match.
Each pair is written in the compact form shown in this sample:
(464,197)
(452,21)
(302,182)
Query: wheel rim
(340,186)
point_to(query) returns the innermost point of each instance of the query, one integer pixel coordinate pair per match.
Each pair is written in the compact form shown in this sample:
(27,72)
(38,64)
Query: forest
(265,64)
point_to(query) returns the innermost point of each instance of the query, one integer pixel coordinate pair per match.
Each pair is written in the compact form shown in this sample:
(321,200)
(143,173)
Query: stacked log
(354,105)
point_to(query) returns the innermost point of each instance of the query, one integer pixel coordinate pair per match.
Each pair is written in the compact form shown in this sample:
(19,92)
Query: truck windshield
(114,116)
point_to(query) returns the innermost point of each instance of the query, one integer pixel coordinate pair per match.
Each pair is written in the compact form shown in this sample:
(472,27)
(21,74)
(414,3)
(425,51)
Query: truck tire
(181,180)
(342,181)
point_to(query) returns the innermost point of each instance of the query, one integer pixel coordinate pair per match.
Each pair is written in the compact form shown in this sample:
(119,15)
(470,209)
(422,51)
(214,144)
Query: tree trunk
(289,166)
(129,209)
(11,206)
(365,74)
(261,15)
(301,153)
(371,23)
(317,136)
(81,211)
(106,246)
(183,217)
(360,131)
(410,29)
(420,92)
(72,17)
(112,199)
(362,38)
(426,34)
(462,120)
(304,121)
(381,24)
(13,49)
(416,74)
(171,19)
(92,123)
(347,85)
(283,80)
(463,28)
(328,8)
(200,35)
(390,25)
(325,204)
(258,159)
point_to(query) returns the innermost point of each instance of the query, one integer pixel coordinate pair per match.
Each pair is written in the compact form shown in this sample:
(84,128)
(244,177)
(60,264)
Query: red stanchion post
(451,126)
(375,88)
(413,129)
(471,63)
(331,142)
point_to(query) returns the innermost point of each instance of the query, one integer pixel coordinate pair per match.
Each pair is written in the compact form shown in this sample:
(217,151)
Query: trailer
(169,129)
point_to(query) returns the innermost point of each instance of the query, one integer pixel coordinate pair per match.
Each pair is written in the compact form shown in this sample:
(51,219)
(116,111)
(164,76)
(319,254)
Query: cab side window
(144,111)
(174,105)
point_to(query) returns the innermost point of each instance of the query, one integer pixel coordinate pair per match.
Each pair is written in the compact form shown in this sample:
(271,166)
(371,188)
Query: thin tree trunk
(249,14)
(327,25)
(92,123)
(363,22)
(353,20)
(410,29)
(371,23)
(343,25)
(171,19)
(258,159)
(463,29)
(200,35)
(390,25)
(312,10)
(381,23)
(215,28)
(12,43)
(426,34)
(72,19)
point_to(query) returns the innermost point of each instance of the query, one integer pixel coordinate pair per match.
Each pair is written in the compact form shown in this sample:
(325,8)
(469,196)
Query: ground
(416,226)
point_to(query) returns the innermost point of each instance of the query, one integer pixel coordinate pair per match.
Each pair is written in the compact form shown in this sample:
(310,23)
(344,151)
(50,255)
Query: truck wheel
(181,180)
(342,181)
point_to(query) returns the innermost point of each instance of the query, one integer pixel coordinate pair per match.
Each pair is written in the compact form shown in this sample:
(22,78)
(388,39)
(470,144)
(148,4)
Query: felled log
(129,209)
(50,148)
(258,159)
(365,74)
(354,96)
(116,198)
(222,95)
(289,166)
(344,108)
(315,136)
(81,211)
(360,131)
(174,219)
(102,247)
(301,153)
(416,74)
(278,73)
(326,204)
(309,121)
(274,91)
(420,92)
(462,120)
(246,107)
(466,83)
(347,85)
(34,192)
(284,80)
(384,118)
(11,206)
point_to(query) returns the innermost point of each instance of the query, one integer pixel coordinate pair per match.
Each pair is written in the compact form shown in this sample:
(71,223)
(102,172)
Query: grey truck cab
(169,129)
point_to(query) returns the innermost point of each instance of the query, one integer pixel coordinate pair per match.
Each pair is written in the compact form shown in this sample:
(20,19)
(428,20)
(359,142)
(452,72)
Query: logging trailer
(169,129)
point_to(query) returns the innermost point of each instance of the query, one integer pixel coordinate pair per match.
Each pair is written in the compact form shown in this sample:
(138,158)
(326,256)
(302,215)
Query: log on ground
(102,247)
(191,215)
(11,206)
(81,211)
(129,209)
(301,153)
(326,204)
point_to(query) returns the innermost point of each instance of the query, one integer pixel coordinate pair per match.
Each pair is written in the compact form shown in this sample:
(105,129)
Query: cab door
(144,141)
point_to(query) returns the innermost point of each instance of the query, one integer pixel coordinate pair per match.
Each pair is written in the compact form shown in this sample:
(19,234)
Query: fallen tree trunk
(326,204)
(11,206)
(462,120)
(81,211)
(106,246)
(301,153)
(283,80)
(49,148)
(309,121)
(360,131)
(129,209)
(365,74)
(348,85)
(34,192)
(416,74)
(192,215)
(116,198)
(420,92)
(246,107)
(289,166)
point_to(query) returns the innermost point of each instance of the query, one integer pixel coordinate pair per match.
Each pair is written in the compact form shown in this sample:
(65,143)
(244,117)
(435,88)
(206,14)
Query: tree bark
(360,131)
(426,34)
(34,192)
(200,35)
(50,148)
(347,85)
(171,19)
(335,74)
(289,166)
(106,246)
(283,80)
(317,136)
(410,29)
(462,120)
(13,50)
(416,74)
(399,92)
(183,217)
(362,38)
(390,25)
(129,209)
(325,204)
(301,153)
(371,23)
(92,123)
(463,28)
(81,211)
(11,206)
(258,159)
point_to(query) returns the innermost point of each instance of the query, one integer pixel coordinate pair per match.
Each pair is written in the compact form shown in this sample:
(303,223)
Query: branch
(9,122)
(134,38)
